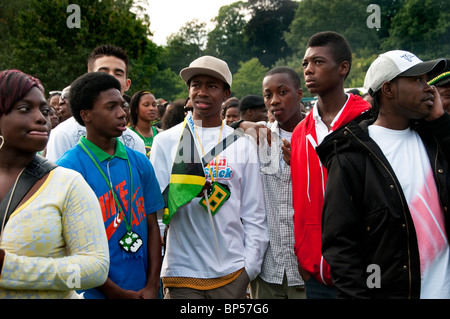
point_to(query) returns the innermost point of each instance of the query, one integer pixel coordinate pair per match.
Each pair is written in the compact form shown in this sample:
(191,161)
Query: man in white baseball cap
(387,196)
(213,256)
(396,63)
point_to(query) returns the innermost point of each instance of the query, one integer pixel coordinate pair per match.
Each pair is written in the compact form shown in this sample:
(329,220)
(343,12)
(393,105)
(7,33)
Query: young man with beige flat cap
(212,257)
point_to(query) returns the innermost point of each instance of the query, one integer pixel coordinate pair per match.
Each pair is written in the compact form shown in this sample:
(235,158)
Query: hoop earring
(3,141)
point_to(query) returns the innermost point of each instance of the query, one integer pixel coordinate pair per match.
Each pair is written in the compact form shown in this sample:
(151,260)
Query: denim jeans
(316,290)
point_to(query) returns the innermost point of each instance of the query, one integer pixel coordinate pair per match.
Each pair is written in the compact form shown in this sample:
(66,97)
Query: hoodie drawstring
(314,144)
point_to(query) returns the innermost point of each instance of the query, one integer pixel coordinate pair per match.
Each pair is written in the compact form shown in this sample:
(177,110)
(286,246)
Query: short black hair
(340,48)
(85,90)
(375,109)
(295,77)
(108,50)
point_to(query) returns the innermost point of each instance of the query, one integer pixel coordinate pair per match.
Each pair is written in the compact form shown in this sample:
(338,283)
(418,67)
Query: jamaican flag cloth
(188,175)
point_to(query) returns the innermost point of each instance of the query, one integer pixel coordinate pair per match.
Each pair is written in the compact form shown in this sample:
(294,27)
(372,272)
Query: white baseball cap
(395,63)
(208,65)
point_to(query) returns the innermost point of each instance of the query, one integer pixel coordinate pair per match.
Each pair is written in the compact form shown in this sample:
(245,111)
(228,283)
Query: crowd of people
(348,200)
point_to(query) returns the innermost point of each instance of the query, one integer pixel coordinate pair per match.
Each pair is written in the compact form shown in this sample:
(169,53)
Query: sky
(168,16)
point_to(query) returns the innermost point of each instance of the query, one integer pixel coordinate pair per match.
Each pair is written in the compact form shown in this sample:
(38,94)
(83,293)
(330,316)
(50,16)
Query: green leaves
(41,44)
(251,36)
(419,26)
(248,78)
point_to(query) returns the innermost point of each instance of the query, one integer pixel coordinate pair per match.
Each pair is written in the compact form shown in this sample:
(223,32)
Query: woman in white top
(54,241)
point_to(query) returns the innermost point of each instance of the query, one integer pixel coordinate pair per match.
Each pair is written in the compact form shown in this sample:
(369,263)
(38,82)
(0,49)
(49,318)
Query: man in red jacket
(326,65)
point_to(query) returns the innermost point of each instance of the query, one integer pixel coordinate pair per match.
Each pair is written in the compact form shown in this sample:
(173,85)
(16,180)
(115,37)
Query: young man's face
(107,117)
(115,67)
(281,97)
(414,99)
(207,94)
(321,71)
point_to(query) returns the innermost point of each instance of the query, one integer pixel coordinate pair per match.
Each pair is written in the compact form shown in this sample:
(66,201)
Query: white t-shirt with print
(406,153)
(240,224)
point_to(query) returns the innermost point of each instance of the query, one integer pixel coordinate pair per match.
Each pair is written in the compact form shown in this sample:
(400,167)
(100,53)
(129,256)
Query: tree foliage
(347,17)
(248,78)
(42,44)
(422,27)
(227,40)
(264,33)
(252,36)
(186,45)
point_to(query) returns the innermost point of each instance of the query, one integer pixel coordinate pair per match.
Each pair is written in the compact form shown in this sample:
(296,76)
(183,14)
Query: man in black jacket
(385,217)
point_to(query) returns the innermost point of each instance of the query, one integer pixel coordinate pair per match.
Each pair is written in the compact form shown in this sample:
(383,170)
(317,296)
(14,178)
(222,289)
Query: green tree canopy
(251,36)
(422,27)
(346,17)
(227,40)
(42,44)
(186,45)
(248,79)
(264,33)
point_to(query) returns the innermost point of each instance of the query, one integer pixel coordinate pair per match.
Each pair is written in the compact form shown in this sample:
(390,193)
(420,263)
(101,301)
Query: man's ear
(226,94)
(344,68)
(128,84)
(300,94)
(388,89)
(85,116)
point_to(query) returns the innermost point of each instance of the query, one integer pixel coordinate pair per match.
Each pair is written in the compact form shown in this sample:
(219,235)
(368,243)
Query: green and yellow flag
(188,175)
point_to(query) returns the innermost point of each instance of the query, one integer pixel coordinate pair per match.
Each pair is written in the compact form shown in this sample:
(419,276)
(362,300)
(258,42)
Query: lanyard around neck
(128,225)
(217,162)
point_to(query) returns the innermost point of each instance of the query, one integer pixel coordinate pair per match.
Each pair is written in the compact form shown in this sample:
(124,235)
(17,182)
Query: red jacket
(308,188)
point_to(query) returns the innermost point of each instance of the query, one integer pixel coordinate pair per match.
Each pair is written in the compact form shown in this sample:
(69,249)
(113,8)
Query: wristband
(236,124)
